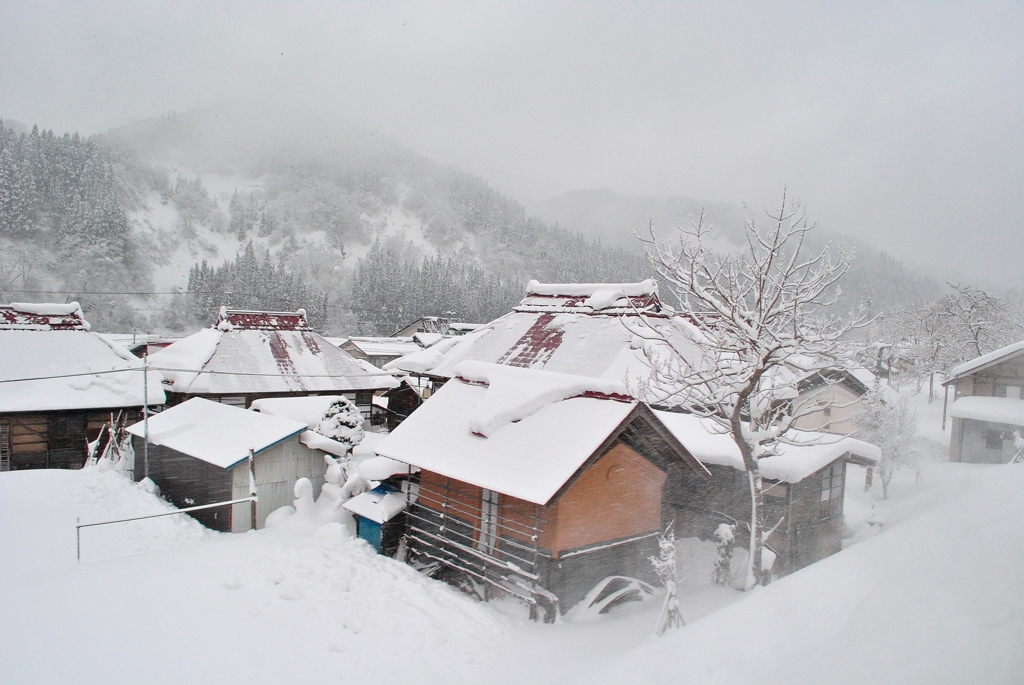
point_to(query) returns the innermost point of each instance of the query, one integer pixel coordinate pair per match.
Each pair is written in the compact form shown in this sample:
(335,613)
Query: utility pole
(252,488)
(145,413)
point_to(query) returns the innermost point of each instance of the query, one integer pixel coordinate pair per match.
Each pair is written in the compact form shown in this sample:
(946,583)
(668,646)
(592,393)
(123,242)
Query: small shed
(199,454)
(536,484)
(379,517)
(988,407)
(804,487)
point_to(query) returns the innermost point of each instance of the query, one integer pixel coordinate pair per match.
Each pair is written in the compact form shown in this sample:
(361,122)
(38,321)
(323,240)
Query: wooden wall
(56,439)
(187,481)
(618,497)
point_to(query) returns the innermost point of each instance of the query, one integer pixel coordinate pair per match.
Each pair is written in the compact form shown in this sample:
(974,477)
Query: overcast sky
(902,123)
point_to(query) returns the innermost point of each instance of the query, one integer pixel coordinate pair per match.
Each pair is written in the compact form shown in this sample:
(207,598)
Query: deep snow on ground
(927,590)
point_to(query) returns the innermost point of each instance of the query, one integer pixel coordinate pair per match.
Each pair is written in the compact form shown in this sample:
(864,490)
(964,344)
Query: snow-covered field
(928,590)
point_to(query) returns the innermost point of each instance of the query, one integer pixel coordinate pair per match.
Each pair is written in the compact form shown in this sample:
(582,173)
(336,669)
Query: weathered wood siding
(56,439)
(186,481)
(836,407)
(618,497)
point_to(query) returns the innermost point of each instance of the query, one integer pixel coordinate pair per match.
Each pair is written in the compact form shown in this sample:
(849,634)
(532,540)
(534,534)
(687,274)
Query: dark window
(993,440)
(832,489)
(364,397)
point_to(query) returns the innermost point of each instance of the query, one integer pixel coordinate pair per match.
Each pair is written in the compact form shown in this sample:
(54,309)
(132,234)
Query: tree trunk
(755,574)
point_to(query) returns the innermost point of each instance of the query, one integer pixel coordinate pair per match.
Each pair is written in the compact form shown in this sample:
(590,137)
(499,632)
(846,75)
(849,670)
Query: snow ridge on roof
(513,393)
(42,316)
(985,360)
(641,289)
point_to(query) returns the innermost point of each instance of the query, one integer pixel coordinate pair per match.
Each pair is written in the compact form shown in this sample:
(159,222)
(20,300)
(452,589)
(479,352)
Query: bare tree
(886,420)
(745,320)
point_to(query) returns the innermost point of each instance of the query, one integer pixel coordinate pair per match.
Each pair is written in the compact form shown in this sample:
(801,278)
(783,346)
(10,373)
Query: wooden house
(804,489)
(828,399)
(199,454)
(379,351)
(565,489)
(62,383)
(252,355)
(988,409)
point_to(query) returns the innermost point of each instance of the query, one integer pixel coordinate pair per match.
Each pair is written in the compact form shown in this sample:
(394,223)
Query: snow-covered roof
(246,353)
(308,410)
(377,505)
(69,368)
(384,347)
(558,333)
(706,441)
(531,458)
(428,339)
(42,316)
(985,360)
(992,409)
(216,433)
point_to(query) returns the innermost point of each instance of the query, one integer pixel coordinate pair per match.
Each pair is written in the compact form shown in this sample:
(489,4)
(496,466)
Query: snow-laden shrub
(342,422)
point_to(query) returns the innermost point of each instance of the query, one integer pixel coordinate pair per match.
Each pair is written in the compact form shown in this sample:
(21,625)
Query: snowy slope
(935,599)
(927,591)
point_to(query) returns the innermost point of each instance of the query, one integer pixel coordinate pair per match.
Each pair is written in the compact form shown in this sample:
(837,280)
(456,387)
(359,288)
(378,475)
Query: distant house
(558,495)
(61,384)
(199,454)
(804,489)
(987,411)
(435,326)
(251,355)
(379,351)
(828,399)
(574,328)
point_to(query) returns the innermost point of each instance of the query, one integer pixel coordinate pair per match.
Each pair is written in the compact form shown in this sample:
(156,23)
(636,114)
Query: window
(832,478)
(993,440)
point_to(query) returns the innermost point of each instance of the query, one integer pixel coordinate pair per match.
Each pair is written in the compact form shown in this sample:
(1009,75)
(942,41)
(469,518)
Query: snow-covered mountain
(362,232)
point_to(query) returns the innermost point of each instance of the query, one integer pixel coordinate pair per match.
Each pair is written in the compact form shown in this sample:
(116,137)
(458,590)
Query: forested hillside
(364,234)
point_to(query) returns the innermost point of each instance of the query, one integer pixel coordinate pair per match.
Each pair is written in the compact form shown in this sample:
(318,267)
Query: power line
(138,369)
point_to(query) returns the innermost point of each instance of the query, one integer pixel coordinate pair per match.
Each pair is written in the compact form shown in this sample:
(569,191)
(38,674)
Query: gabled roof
(65,366)
(262,352)
(565,328)
(985,361)
(706,441)
(216,433)
(541,429)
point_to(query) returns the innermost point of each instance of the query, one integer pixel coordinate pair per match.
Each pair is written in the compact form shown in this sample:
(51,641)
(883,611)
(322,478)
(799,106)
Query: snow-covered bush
(725,534)
(665,566)
(342,422)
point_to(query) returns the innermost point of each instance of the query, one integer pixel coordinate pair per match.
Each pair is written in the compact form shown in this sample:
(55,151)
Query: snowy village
(296,385)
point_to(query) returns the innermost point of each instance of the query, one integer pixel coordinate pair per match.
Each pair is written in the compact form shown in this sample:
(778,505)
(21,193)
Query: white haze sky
(902,123)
